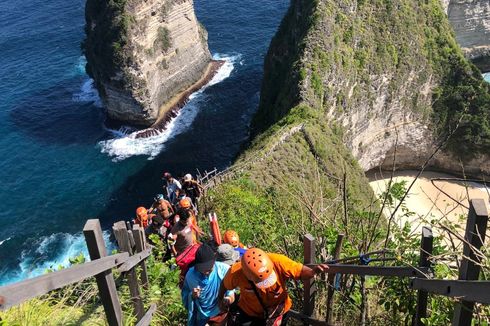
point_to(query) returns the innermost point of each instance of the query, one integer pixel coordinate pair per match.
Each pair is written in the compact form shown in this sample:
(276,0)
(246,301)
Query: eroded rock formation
(389,75)
(143,54)
(470,20)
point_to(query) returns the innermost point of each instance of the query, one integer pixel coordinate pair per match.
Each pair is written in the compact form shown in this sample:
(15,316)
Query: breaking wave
(87,93)
(2,241)
(50,252)
(125,144)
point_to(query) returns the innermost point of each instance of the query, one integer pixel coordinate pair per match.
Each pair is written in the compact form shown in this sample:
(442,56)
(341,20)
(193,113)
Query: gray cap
(227,254)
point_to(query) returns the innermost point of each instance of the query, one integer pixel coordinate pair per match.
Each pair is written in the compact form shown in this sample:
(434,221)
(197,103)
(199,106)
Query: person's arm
(198,188)
(226,284)
(171,241)
(223,305)
(170,208)
(307,272)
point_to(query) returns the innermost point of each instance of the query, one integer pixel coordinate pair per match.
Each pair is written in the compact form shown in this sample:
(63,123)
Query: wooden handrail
(135,260)
(398,271)
(473,291)
(145,321)
(21,291)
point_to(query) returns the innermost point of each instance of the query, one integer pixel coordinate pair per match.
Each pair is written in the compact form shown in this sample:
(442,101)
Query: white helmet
(188,177)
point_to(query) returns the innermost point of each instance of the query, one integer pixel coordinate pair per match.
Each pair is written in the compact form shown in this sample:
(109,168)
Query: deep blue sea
(60,166)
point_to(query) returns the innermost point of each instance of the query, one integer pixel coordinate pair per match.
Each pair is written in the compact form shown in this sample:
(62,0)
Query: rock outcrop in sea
(470,20)
(144,56)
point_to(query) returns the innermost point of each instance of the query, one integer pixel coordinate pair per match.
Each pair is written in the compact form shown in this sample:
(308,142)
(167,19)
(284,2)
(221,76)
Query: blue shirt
(206,306)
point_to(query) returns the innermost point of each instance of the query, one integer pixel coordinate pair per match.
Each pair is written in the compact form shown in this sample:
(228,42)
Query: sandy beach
(427,198)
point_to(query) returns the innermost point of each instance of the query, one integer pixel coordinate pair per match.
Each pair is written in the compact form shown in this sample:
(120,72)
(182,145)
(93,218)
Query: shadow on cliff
(63,114)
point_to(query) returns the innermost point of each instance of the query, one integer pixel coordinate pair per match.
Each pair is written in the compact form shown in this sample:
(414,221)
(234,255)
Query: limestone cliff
(389,73)
(141,53)
(470,20)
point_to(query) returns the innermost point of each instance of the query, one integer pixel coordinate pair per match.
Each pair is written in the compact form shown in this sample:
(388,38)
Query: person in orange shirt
(231,237)
(261,278)
(143,219)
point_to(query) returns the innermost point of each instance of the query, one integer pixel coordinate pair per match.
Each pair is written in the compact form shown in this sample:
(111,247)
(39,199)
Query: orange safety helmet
(185,203)
(142,213)
(258,268)
(231,237)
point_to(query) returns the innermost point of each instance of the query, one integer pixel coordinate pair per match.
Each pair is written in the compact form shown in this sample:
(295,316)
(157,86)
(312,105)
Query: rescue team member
(201,286)
(232,238)
(262,278)
(142,217)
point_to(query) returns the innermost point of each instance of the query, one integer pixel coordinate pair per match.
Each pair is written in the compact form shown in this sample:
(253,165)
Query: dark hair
(183,214)
(158,220)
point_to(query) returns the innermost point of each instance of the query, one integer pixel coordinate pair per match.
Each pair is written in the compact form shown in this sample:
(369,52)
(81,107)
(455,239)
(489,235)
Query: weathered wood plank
(425,252)
(123,241)
(375,270)
(331,279)
(309,251)
(476,227)
(105,280)
(134,260)
(146,320)
(140,246)
(474,291)
(21,291)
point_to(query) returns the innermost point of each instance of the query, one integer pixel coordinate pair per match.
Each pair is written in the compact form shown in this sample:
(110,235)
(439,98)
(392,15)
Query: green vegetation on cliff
(298,178)
(106,32)
(338,55)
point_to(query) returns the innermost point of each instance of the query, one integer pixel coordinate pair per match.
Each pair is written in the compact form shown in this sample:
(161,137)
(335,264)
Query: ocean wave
(87,93)
(80,66)
(50,252)
(126,144)
(2,241)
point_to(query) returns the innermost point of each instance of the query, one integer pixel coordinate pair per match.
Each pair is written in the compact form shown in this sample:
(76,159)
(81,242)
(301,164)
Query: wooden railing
(133,252)
(467,288)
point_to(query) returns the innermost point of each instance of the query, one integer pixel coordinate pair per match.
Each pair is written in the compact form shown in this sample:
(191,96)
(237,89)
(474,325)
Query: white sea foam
(80,65)
(87,93)
(66,246)
(1,242)
(486,76)
(126,144)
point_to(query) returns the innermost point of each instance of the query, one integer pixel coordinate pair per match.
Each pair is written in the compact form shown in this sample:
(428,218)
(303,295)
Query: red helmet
(231,237)
(259,268)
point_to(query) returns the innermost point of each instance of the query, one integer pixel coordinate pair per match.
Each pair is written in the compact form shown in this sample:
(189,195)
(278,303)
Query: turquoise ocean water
(59,164)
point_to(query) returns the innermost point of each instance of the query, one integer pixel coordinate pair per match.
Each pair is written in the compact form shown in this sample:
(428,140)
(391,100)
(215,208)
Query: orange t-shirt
(285,269)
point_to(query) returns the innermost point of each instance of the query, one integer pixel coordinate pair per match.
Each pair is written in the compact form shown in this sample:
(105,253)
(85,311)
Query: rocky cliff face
(390,74)
(142,53)
(470,20)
